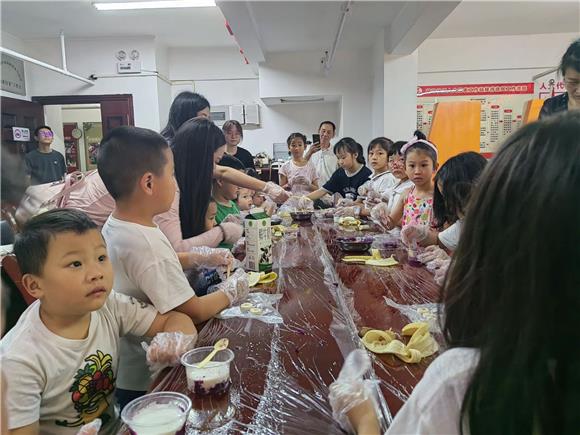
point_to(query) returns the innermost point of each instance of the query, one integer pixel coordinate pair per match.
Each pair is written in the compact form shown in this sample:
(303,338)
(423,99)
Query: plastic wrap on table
(428,313)
(281,372)
(265,302)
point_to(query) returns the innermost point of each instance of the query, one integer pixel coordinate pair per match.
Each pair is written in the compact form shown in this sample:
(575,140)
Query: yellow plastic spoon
(219,345)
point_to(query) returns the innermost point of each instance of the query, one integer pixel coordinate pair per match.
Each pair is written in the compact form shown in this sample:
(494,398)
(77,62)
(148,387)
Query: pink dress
(417,211)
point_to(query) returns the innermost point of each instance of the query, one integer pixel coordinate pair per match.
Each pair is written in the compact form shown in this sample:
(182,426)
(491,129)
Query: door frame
(87,99)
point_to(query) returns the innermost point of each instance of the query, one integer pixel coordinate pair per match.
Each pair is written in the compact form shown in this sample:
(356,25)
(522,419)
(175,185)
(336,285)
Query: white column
(400,96)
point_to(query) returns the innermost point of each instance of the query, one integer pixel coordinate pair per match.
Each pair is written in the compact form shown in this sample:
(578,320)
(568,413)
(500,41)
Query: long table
(281,373)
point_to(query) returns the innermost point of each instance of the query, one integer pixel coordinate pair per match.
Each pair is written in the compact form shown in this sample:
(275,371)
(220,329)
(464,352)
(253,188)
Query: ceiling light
(121,6)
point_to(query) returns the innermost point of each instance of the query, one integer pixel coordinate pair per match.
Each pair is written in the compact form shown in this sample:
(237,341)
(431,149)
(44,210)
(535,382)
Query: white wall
(496,59)
(378,64)
(97,56)
(13,43)
(299,74)
(223,78)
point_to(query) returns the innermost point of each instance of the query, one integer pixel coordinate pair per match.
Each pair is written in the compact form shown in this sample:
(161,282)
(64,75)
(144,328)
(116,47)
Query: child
(416,205)
(145,265)
(510,303)
(61,357)
(225,193)
(44,165)
(382,181)
(453,185)
(245,199)
(352,172)
(298,174)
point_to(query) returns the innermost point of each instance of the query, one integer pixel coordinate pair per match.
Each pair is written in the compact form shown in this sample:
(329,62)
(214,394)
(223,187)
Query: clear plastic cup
(209,388)
(162,413)
(214,378)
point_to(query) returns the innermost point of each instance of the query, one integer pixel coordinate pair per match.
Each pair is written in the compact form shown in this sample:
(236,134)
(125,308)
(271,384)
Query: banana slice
(421,345)
(256,311)
(253,279)
(382,262)
(268,278)
(245,307)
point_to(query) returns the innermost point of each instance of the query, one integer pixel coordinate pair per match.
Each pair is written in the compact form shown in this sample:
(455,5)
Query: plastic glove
(300,180)
(240,246)
(232,232)
(269,207)
(348,211)
(234,218)
(91,428)
(380,213)
(211,257)
(433,265)
(363,190)
(275,192)
(414,233)
(350,389)
(345,202)
(431,253)
(236,287)
(304,203)
(442,272)
(166,349)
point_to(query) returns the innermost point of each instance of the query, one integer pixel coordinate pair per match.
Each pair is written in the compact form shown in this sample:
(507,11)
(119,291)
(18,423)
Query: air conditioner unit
(252,114)
(220,114)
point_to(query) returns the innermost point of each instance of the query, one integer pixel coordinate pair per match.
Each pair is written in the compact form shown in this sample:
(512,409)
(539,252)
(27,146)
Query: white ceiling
(191,27)
(491,18)
(298,25)
(282,25)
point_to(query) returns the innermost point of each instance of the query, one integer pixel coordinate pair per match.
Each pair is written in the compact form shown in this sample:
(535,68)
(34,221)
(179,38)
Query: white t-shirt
(382,183)
(398,191)
(147,268)
(54,380)
(434,406)
(450,236)
(325,163)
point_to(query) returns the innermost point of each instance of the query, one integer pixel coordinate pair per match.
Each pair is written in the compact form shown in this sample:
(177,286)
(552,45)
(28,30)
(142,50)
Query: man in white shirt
(322,156)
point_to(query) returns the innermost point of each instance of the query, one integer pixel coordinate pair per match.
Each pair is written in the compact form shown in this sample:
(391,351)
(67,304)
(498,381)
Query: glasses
(572,84)
(45,133)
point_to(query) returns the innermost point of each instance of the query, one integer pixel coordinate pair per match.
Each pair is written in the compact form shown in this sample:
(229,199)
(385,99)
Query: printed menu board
(502,106)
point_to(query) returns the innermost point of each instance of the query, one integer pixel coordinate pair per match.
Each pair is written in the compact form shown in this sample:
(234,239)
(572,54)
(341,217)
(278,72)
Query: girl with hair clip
(350,176)
(454,183)
(416,205)
(510,305)
(298,174)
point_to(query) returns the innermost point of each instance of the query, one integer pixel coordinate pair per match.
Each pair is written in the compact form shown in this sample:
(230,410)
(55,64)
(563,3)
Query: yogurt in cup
(162,413)
(214,378)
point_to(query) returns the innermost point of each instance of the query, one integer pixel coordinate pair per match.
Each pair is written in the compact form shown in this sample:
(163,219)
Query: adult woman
(189,105)
(570,70)
(234,135)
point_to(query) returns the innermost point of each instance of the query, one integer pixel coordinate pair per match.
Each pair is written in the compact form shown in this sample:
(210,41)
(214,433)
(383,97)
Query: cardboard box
(258,229)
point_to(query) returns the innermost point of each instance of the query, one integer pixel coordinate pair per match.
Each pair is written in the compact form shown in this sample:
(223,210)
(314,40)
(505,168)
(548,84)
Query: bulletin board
(502,107)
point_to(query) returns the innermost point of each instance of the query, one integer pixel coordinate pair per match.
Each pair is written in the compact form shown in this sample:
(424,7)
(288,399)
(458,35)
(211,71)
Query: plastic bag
(420,313)
(266,302)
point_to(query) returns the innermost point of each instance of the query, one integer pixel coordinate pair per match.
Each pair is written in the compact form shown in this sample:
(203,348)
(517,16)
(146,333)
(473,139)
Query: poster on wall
(93,133)
(13,78)
(502,106)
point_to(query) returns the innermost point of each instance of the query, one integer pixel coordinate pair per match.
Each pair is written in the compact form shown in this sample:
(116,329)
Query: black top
(245,157)
(341,183)
(45,167)
(554,105)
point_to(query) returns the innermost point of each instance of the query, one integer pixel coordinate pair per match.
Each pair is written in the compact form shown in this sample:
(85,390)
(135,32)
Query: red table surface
(281,373)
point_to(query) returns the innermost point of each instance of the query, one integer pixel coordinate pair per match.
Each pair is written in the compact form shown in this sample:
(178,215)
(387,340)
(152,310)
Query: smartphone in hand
(315,138)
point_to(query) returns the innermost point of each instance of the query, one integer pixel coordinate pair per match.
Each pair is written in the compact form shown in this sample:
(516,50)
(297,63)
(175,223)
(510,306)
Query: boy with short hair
(225,194)
(44,165)
(136,166)
(61,358)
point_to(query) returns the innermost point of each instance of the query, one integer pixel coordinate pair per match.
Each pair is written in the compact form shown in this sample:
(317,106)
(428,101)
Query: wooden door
(19,113)
(116,112)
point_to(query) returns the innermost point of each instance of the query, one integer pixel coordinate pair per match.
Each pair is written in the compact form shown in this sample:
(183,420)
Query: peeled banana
(421,344)
(255,278)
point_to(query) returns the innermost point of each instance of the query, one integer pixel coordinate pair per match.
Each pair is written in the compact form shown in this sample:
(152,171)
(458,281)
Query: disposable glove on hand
(275,192)
(236,287)
(350,389)
(91,428)
(211,257)
(166,348)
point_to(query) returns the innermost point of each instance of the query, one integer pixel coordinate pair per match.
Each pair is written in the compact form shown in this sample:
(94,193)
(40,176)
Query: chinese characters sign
(13,79)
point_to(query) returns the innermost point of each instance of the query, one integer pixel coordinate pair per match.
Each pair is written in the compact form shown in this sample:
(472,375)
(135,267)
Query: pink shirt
(290,170)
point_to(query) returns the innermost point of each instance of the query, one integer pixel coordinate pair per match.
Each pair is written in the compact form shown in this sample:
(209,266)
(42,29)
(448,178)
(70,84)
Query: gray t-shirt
(45,167)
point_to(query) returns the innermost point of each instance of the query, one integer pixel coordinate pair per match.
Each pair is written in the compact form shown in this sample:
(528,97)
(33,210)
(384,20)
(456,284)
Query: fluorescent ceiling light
(122,6)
